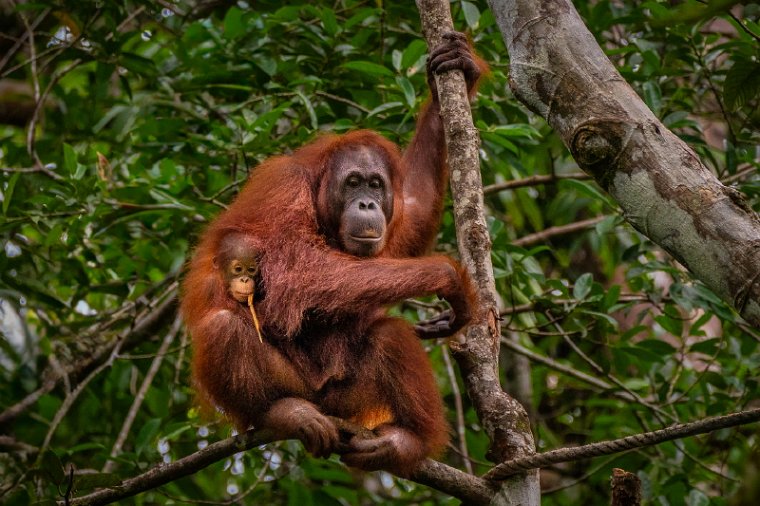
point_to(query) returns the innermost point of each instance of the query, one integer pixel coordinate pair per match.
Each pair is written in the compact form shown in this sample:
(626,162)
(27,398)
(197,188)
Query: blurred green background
(125,126)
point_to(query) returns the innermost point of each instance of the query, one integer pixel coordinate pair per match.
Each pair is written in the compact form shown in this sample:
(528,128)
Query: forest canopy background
(127,125)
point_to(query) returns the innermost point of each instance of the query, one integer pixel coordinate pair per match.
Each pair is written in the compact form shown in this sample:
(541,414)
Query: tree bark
(626,488)
(503,418)
(559,71)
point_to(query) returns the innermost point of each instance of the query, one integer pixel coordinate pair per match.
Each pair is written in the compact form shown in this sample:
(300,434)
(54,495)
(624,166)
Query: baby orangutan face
(240,276)
(239,267)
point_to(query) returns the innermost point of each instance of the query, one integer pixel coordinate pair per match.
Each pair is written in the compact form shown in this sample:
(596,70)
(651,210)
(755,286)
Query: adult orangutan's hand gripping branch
(338,231)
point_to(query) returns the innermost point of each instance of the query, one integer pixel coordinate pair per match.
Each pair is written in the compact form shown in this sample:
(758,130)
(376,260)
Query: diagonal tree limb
(559,71)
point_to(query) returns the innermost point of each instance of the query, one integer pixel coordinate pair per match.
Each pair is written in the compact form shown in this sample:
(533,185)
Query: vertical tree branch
(503,418)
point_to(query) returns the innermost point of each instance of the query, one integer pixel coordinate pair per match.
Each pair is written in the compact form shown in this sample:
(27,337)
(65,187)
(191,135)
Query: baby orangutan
(239,266)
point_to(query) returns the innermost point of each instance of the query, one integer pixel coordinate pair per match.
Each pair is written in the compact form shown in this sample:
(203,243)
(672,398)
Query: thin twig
(550,232)
(461,431)
(553,364)
(532,181)
(68,401)
(153,315)
(140,397)
(13,50)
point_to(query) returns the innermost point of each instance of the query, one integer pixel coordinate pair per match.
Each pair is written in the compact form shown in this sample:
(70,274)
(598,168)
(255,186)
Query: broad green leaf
(329,22)
(309,109)
(589,189)
(672,325)
(138,64)
(234,26)
(742,83)
(367,67)
(146,435)
(653,96)
(471,14)
(408,89)
(582,286)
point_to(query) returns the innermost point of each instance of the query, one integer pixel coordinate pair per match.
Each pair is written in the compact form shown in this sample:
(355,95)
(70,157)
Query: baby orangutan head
(238,263)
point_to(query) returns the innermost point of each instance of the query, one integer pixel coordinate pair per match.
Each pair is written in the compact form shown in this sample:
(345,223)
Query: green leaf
(8,193)
(653,96)
(146,435)
(500,141)
(234,26)
(412,54)
(589,189)
(742,83)
(697,498)
(657,346)
(138,64)
(51,465)
(672,325)
(69,158)
(582,286)
(516,130)
(471,14)
(329,22)
(268,65)
(383,108)
(369,68)
(708,346)
(408,89)
(309,109)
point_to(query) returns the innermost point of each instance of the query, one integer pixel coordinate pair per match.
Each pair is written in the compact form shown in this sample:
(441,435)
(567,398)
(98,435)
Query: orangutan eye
(252,270)
(353,182)
(237,269)
(375,183)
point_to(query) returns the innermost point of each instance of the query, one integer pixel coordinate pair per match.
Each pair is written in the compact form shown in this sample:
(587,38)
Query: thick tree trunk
(503,418)
(559,71)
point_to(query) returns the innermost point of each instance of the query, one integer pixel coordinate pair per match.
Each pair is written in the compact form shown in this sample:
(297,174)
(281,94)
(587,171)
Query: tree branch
(468,488)
(532,181)
(644,439)
(559,71)
(550,232)
(144,326)
(503,418)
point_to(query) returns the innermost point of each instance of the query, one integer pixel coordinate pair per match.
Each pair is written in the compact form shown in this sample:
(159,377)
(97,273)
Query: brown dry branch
(504,419)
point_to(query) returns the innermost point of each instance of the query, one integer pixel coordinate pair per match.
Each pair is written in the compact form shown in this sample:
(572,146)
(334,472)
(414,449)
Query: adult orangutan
(337,230)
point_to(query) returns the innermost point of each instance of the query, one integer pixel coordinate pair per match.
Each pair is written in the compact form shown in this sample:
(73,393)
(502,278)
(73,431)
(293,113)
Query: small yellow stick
(255,318)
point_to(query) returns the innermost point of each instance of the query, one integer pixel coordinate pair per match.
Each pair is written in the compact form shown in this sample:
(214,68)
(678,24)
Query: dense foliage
(151,115)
